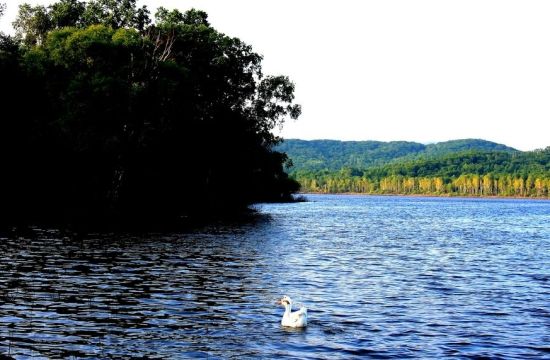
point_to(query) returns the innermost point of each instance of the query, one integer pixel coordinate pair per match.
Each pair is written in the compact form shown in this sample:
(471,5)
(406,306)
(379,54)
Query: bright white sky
(425,70)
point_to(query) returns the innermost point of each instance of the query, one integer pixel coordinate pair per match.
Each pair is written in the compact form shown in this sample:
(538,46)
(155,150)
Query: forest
(464,167)
(336,154)
(112,114)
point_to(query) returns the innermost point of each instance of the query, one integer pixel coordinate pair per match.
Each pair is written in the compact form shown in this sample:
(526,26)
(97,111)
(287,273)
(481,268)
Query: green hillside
(454,146)
(334,155)
(452,165)
(459,167)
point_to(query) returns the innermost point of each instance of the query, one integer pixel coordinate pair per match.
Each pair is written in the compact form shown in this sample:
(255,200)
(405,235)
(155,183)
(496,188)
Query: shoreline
(496,197)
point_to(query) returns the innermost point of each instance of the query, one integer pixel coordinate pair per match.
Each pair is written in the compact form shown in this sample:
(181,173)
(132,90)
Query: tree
(67,13)
(116,14)
(174,17)
(32,24)
(195,17)
(132,122)
(166,18)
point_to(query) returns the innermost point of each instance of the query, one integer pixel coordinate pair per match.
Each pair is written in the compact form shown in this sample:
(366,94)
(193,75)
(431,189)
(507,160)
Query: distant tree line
(108,114)
(474,173)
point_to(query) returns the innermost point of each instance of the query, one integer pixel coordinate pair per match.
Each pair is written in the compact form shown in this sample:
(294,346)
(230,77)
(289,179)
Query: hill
(455,146)
(453,165)
(333,155)
(460,167)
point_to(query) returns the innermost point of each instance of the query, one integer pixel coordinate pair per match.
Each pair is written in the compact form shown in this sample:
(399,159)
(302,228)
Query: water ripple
(383,277)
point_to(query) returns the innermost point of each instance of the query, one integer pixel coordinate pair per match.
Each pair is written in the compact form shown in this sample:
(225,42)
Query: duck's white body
(291,318)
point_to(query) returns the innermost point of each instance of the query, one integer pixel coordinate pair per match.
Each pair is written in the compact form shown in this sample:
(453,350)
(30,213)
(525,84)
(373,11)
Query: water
(383,277)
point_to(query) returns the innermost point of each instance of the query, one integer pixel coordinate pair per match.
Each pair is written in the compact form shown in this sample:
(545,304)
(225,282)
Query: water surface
(383,277)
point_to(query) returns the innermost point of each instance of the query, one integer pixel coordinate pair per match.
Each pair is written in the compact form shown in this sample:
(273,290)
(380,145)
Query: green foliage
(116,14)
(172,120)
(334,155)
(32,24)
(166,17)
(195,17)
(502,173)
(454,146)
(67,13)
(468,162)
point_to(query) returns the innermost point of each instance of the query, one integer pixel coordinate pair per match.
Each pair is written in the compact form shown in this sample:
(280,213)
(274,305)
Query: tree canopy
(470,172)
(334,155)
(117,116)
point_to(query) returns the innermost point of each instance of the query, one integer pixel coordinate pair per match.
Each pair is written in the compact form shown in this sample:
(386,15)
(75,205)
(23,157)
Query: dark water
(383,277)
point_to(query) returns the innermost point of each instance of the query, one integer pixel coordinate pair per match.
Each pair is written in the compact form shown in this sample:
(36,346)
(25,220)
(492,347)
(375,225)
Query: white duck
(295,319)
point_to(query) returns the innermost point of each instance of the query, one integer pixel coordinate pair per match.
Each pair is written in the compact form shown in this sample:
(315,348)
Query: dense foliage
(334,155)
(114,116)
(489,173)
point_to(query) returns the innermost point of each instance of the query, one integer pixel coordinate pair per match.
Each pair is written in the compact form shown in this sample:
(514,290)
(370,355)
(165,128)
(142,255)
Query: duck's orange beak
(279,302)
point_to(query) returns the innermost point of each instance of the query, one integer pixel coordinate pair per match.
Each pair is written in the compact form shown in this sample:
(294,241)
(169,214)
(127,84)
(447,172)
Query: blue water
(382,277)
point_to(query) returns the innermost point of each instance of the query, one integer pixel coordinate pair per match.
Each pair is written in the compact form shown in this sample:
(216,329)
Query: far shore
(432,195)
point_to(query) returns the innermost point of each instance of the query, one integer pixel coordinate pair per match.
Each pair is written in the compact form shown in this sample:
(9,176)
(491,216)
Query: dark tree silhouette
(117,119)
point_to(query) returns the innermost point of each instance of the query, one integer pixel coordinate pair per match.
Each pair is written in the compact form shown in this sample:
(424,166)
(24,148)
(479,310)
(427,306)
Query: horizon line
(416,142)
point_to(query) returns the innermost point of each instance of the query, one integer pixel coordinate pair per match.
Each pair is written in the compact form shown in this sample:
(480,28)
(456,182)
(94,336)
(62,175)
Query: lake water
(382,277)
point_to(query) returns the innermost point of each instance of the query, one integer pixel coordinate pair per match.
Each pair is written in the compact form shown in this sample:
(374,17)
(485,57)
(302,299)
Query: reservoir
(382,277)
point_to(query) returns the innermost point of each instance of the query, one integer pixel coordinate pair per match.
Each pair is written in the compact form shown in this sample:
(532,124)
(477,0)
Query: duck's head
(285,300)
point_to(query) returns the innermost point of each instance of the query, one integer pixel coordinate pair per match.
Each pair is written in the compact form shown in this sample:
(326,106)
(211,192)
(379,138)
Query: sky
(424,71)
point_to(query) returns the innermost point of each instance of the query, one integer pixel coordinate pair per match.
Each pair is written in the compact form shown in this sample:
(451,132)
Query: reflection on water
(383,277)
